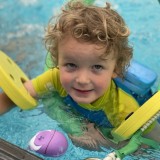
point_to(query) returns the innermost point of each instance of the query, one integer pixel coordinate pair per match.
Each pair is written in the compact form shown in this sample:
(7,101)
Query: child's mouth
(83,91)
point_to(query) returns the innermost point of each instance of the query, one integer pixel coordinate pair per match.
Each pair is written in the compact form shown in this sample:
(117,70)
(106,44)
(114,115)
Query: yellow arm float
(149,111)
(11,81)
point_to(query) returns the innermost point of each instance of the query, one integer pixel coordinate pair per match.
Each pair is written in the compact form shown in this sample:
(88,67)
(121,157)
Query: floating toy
(11,81)
(50,143)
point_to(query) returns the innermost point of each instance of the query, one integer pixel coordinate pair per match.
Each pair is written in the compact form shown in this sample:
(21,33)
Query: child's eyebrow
(69,58)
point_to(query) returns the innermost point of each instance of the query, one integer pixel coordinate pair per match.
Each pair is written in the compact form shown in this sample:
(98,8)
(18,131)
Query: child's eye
(97,67)
(71,66)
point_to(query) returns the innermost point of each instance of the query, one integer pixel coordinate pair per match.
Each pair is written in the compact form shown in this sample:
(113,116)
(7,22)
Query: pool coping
(9,151)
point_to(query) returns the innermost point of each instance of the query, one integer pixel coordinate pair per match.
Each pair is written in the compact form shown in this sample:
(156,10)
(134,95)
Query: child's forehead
(70,47)
(81,56)
(72,43)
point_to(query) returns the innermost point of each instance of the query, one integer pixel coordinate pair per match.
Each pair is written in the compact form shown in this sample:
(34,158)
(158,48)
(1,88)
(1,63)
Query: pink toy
(50,143)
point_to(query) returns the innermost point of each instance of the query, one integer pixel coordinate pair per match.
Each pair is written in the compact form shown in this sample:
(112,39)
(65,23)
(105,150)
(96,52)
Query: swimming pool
(22,25)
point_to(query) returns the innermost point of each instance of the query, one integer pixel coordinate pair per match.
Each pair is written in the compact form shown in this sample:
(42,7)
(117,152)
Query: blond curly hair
(91,24)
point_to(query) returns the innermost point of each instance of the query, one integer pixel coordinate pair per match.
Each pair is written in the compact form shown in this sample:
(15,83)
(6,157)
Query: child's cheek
(65,81)
(102,85)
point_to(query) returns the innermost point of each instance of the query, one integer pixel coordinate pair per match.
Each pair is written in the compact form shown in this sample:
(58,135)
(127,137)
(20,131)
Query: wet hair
(91,24)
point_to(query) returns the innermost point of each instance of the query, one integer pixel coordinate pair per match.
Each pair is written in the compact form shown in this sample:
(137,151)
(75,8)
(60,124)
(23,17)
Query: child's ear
(114,75)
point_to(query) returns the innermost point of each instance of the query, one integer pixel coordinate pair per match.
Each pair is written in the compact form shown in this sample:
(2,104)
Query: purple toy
(50,143)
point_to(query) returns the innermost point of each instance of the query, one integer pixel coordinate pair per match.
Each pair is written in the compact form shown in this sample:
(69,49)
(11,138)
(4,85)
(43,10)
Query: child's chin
(83,101)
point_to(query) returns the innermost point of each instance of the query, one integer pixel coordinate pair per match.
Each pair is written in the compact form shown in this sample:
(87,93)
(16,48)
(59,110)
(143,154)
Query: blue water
(22,24)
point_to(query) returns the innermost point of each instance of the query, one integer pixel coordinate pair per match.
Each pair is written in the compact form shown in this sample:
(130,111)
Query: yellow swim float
(11,82)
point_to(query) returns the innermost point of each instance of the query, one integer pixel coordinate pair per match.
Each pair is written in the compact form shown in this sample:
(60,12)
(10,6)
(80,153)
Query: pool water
(21,32)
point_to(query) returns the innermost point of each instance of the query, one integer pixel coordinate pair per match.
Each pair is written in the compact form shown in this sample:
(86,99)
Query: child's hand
(5,103)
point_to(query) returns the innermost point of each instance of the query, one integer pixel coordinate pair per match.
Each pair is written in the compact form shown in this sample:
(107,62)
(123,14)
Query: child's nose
(83,78)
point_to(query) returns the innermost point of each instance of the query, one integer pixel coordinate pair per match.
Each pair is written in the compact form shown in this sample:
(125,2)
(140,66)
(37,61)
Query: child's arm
(6,103)
(37,86)
(29,87)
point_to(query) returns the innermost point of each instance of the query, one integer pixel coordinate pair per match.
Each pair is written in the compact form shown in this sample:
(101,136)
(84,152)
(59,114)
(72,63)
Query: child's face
(83,74)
